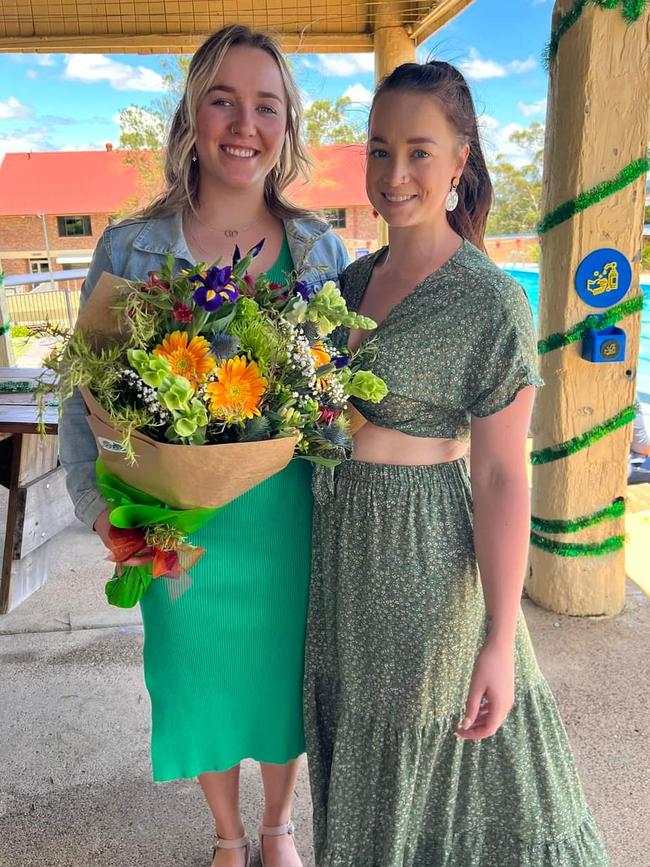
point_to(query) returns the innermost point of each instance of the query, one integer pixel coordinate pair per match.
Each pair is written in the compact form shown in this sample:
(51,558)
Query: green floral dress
(397,617)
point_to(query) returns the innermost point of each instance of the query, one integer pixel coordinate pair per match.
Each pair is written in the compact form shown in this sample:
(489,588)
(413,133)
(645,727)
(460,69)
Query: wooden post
(393,46)
(6,345)
(597,123)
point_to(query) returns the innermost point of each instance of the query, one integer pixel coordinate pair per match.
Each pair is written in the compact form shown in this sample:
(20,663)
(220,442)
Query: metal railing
(52,297)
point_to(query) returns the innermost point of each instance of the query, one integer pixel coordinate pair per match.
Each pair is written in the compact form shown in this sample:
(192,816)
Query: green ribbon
(133,508)
(578,549)
(630,9)
(616,509)
(595,321)
(596,194)
(575,444)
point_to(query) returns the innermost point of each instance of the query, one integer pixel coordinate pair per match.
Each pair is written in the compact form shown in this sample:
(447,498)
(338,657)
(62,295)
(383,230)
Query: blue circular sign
(603,277)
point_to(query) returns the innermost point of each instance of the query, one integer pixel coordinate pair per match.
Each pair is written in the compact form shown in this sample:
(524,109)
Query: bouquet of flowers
(199,385)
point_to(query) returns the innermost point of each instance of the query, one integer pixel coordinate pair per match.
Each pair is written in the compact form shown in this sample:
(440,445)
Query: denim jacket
(132,249)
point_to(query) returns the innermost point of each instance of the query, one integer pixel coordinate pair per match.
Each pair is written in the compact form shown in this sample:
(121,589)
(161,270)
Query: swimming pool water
(530,281)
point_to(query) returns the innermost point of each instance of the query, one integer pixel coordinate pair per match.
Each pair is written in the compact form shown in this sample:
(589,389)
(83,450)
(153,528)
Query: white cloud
(528,109)
(96,146)
(45,60)
(97,67)
(495,138)
(477,68)
(520,66)
(342,65)
(31,73)
(13,109)
(358,93)
(35,140)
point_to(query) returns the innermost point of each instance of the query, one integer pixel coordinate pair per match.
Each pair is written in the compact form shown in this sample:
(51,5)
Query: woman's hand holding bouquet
(212,381)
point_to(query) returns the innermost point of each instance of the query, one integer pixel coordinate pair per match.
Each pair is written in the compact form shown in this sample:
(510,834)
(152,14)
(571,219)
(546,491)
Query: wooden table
(38,507)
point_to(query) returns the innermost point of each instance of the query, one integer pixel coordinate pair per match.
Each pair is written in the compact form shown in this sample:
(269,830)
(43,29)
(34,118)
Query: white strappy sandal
(240,843)
(273,831)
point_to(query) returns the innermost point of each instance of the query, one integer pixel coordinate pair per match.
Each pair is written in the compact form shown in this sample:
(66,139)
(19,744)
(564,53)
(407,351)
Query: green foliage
(326,122)
(144,128)
(518,189)
(20,331)
(143,131)
(259,339)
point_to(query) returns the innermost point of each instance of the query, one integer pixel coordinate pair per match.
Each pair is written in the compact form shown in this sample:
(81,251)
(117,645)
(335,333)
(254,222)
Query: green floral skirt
(396,620)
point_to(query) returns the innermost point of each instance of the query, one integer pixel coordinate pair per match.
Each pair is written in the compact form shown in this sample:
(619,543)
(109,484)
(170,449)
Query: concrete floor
(75,786)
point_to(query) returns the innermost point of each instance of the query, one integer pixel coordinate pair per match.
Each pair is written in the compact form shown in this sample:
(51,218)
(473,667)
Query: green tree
(326,122)
(143,131)
(518,189)
(145,128)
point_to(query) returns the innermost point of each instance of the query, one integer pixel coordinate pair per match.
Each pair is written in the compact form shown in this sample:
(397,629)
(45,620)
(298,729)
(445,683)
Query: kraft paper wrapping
(355,419)
(98,317)
(182,476)
(185,477)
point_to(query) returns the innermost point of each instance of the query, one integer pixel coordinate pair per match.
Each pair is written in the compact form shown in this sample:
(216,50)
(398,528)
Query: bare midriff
(378,445)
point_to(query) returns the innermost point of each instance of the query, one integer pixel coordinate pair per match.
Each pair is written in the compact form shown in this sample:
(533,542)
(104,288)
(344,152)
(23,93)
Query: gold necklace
(200,247)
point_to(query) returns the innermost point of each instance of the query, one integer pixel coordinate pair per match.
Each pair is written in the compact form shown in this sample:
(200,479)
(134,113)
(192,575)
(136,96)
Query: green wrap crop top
(462,343)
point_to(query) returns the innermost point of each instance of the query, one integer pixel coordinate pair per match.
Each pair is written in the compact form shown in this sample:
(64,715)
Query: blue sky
(71,102)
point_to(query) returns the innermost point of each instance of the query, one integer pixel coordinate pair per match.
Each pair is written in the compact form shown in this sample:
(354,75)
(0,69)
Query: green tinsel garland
(594,320)
(630,9)
(596,194)
(11,386)
(578,549)
(575,444)
(616,509)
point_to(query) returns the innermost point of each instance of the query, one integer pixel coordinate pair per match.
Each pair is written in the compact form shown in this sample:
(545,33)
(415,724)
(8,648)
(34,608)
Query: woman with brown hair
(224,659)
(433,739)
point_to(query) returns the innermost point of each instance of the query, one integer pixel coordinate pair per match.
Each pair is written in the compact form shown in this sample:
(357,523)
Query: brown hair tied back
(446,84)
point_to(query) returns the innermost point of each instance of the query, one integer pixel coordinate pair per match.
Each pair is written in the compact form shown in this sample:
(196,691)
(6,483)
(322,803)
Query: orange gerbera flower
(320,356)
(191,360)
(238,392)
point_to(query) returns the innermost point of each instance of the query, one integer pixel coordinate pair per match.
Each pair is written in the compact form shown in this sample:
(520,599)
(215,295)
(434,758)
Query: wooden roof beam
(179,43)
(440,15)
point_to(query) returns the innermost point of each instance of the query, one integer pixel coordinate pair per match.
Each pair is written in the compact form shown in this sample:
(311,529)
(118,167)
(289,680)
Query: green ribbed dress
(223,658)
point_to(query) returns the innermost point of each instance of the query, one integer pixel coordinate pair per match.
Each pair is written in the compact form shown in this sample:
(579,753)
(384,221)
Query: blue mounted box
(605,345)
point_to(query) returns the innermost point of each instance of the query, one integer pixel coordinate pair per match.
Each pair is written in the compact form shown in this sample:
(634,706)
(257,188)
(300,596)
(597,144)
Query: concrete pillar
(597,123)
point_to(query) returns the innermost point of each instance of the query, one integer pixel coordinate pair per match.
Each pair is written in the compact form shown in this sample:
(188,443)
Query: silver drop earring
(194,156)
(452,196)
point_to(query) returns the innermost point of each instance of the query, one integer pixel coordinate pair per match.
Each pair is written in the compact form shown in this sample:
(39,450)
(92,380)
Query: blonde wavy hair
(181,175)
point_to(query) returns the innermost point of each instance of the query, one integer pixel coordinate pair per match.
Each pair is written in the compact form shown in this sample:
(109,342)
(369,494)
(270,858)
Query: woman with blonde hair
(223,661)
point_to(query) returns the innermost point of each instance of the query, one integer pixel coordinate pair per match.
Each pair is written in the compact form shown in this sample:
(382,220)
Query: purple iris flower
(256,249)
(303,290)
(216,288)
(340,361)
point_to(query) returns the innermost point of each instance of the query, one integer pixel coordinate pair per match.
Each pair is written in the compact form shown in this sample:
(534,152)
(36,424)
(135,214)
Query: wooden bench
(38,506)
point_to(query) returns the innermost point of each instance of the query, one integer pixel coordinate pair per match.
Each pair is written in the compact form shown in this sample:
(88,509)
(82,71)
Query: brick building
(54,206)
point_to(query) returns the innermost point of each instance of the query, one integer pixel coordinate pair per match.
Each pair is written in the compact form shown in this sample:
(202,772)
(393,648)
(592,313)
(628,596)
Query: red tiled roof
(102,182)
(65,182)
(337,178)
